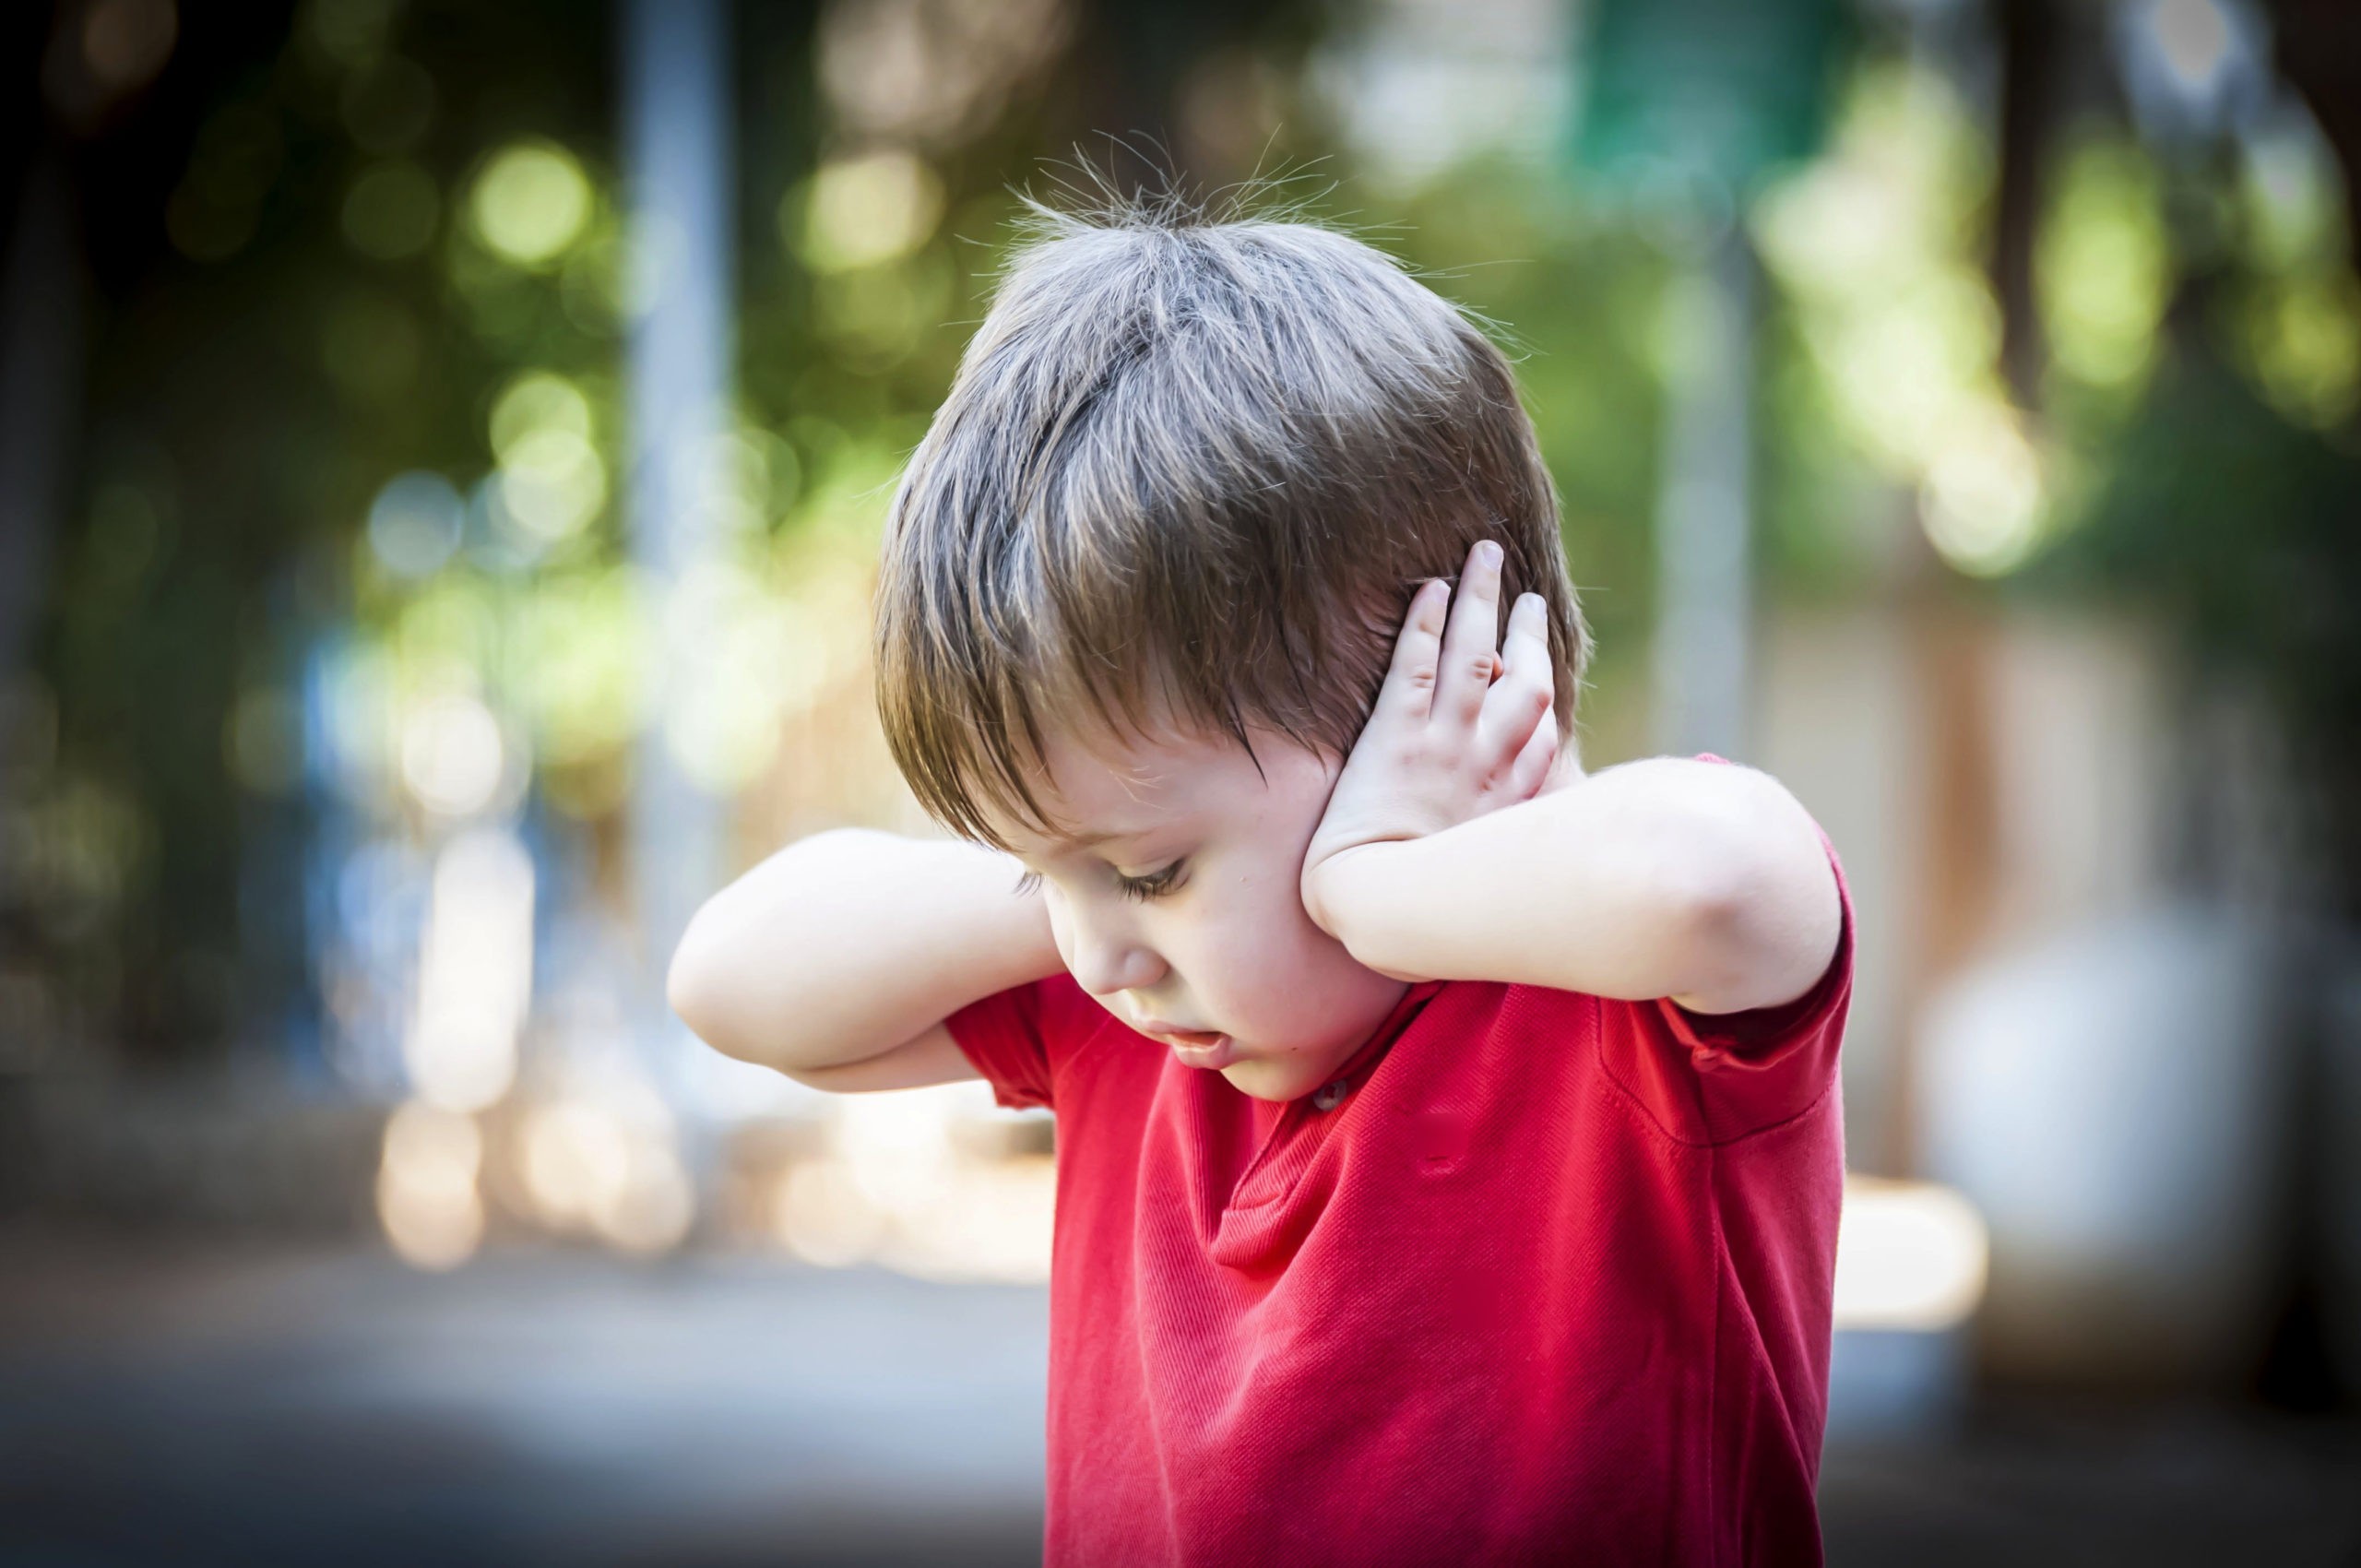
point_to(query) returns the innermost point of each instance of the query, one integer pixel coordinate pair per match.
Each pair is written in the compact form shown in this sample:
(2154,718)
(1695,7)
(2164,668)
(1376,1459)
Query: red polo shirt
(1548,1283)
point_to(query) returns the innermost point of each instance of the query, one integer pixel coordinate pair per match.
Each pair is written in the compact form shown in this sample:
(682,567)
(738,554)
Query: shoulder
(1716,1077)
(1026,1040)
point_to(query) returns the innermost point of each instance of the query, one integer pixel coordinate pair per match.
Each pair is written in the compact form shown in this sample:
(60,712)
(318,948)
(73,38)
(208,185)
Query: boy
(1449,1146)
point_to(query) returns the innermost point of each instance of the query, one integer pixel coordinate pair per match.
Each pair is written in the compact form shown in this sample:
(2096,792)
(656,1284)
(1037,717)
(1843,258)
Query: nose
(1107,958)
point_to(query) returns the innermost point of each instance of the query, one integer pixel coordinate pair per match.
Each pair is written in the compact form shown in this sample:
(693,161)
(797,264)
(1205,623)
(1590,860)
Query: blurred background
(443,448)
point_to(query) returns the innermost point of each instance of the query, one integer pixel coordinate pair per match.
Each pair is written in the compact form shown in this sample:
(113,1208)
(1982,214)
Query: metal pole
(1704,621)
(679,183)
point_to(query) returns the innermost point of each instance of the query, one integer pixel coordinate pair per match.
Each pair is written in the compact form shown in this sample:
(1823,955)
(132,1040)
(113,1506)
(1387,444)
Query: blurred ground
(2044,1481)
(270,1405)
(266,1405)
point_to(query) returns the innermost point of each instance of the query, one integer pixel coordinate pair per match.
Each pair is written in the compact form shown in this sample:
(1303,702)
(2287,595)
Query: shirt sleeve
(1712,1078)
(1013,1037)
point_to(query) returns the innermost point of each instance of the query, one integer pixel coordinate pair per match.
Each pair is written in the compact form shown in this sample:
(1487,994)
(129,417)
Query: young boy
(1448,1147)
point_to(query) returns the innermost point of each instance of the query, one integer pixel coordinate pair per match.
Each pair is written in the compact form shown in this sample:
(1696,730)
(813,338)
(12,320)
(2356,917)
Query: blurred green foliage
(355,447)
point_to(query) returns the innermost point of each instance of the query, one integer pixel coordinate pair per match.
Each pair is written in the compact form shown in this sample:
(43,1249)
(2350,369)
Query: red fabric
(1552,1284)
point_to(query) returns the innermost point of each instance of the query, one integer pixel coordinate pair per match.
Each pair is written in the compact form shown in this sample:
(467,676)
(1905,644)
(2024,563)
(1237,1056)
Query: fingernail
(1490,550)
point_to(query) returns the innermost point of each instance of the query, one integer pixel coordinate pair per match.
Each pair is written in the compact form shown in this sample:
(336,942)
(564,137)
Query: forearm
(1664,878)
(846,945)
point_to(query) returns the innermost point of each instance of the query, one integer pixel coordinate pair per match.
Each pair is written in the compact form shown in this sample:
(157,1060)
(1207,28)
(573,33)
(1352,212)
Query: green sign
(1718,90)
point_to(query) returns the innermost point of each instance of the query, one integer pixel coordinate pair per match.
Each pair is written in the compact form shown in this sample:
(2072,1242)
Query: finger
(1472,636)
(1527,684)
(1527,643)
(1532,765)
(1410,679)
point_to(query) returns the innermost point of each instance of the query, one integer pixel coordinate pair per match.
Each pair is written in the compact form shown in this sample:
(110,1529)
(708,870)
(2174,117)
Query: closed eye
(1154,885)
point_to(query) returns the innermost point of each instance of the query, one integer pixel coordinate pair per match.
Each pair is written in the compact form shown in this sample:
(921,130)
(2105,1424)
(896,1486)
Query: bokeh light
(1899,317)
(604,1163)
(581,668)
(861,212)
(427,1199)
(894,1186)
(1982,498)
(537,400)
(475,971)
(2103,267)
(551,482)
(453,755)
(2193,38)
(1909,1255)
(414,524)
(530,203)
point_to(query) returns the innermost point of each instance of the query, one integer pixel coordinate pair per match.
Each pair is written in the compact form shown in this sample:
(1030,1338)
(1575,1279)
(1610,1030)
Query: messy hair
(1190,473)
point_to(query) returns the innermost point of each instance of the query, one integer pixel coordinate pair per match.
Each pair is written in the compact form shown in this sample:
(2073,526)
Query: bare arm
(1703,883)
(837,960)
(1460,844)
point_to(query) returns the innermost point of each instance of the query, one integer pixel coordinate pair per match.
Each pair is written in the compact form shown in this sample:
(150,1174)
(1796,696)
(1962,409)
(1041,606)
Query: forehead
(1100,786)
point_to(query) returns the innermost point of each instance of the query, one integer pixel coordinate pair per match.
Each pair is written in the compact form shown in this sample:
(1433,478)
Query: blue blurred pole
(1705,604)
(679,182)
(1686,105)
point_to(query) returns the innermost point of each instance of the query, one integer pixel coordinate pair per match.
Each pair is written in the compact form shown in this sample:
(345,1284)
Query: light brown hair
(1196,469)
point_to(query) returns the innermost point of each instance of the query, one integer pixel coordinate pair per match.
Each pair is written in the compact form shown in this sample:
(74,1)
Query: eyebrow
(1067,845)
(1070,844)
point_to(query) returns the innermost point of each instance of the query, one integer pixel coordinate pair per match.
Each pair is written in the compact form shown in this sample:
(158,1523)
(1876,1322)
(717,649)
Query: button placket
(1277,1165)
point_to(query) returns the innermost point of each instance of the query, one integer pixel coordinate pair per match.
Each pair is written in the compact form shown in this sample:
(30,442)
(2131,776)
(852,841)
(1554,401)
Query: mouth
(1206,1048)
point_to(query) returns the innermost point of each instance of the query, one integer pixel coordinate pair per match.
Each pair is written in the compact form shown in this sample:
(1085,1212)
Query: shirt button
(1330,1096)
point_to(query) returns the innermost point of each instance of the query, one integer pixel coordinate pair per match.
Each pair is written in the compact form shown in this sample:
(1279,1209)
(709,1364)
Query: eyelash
(1156,885)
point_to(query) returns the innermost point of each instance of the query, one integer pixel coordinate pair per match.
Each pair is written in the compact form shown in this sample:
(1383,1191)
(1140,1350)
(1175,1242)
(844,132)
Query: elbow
(1711,922)
(693,983)
(1733,849)
(1709,933)
(1712,900)
(1755,916)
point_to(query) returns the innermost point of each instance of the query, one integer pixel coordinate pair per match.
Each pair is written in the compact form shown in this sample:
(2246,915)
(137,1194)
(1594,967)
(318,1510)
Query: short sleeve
(1013,1037)
(1711,1078)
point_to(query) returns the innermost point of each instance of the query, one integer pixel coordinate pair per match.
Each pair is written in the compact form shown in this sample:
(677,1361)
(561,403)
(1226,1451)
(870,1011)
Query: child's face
(1175,899)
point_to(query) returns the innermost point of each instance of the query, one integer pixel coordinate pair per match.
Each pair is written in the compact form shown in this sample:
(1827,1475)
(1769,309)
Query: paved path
(265,1405)
(551,1406)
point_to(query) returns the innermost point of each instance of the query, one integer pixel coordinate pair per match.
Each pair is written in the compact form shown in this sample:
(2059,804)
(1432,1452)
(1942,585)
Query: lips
(1207,1049)
(1212,1057)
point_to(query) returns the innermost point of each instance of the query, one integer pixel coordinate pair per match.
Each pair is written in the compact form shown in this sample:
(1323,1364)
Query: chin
(1284,1080)
(1290,1072)
(1267,1080)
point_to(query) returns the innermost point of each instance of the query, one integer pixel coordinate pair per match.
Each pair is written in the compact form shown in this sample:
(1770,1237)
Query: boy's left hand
(1462,726)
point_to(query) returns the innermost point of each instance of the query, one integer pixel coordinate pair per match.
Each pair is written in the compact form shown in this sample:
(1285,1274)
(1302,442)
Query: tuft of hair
(1190,471)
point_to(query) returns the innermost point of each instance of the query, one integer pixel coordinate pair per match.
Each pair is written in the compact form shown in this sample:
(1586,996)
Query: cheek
(1276,978)
(1258,949)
